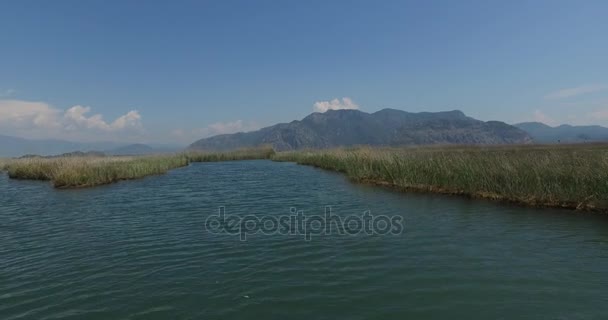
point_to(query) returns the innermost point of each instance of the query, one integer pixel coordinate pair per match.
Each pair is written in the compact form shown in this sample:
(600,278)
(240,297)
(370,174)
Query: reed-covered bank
(73,172)
(569,176)
(77,172)
(240,154)
(572,176)
(4,163)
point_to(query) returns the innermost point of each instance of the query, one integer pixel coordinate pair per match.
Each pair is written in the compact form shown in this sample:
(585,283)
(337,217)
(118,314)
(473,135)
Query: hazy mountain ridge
(141,149)
(69,154)
(565,133)
(387,127)
(15,147)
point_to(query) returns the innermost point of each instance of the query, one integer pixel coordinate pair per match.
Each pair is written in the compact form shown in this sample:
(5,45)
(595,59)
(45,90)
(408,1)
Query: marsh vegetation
(79,171)
(570,176)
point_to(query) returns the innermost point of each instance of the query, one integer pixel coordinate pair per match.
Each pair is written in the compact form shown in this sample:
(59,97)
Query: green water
(139,250)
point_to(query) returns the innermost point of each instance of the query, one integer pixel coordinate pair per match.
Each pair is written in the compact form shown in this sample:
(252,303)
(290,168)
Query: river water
(141,250)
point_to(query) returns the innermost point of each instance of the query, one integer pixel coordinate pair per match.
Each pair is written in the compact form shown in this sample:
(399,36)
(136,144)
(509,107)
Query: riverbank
(79,172)
(565,176)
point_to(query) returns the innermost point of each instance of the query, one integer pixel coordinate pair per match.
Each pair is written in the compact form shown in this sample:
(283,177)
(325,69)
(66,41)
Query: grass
(72,172)
(241,154)
(570,176)
(4,163)
(77,172)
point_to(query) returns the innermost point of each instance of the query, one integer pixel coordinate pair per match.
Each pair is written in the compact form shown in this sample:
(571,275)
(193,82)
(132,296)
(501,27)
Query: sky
(178,71)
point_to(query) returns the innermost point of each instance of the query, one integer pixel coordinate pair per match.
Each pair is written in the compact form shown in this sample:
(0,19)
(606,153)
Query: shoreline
(424,189)
(86,172)
(573,206)
(571,177)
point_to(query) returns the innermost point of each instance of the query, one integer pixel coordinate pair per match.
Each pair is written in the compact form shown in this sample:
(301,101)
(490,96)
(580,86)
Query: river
(143,249)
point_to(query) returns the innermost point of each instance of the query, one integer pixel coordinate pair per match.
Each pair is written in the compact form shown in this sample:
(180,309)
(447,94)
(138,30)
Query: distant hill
(542,133)
(69,154)
(387,127)
(141,149)
(17,147)
(132,149)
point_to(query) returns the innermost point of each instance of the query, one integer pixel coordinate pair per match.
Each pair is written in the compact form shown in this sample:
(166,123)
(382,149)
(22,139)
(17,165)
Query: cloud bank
(76,118)
(335,104)
(39,119)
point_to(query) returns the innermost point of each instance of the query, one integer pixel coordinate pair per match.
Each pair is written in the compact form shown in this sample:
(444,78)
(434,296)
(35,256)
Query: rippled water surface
(139,250)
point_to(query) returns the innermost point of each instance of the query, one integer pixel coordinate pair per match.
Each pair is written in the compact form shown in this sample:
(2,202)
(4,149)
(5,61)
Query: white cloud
(41,120)
(27,114)
(76,118)
(335,104)
(576,91)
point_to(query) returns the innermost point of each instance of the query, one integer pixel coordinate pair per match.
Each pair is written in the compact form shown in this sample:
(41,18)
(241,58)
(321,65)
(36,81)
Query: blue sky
(180,70)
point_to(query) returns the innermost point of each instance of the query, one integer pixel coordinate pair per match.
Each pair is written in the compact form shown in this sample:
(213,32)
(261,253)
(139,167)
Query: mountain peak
(387,127)
(533,124)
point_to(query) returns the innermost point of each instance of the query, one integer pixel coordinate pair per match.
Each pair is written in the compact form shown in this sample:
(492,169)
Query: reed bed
(4,164)
(572,176)
(77,172)
(240,154)
(74,172)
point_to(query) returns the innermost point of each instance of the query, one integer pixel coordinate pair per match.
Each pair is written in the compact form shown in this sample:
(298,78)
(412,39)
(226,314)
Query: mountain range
(16,147)
(335,128)
(387,127)
(542,133)
(141,149)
